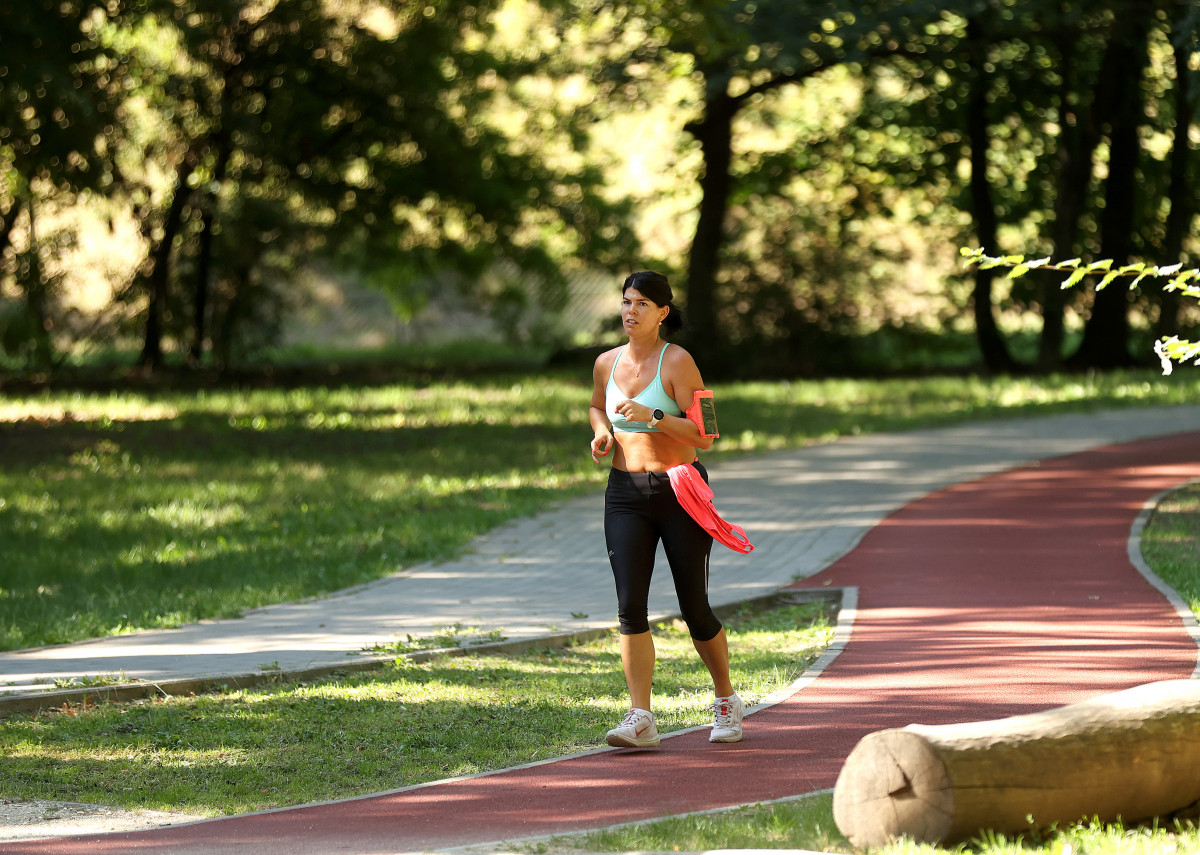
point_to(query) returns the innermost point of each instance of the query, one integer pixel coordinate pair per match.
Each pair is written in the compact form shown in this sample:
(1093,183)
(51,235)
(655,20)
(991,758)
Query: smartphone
(704,413)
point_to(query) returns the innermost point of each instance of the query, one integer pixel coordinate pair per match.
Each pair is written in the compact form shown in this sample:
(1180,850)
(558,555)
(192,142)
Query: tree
(740,52)
(58,97)
(1175,278)
(1181,194)
(1106,335)
(1057,139)
(991,344)
(272,134)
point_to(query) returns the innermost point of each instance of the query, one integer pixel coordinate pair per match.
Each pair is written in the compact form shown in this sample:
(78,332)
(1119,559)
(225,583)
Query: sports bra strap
(612,372)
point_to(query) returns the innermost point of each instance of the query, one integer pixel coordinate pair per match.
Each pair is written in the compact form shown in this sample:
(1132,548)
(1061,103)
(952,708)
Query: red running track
(1000,596)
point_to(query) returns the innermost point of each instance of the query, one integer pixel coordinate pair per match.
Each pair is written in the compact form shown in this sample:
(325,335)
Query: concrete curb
(29,702)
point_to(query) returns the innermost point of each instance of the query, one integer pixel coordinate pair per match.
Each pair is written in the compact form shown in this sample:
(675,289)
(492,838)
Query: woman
(641,392)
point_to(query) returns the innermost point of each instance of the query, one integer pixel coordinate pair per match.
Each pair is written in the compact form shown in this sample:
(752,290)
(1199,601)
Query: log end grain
(1131,754)
(893,785)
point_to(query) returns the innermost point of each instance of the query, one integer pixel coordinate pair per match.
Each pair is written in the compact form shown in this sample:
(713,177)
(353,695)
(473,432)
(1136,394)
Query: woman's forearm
(682,429)
(599,421)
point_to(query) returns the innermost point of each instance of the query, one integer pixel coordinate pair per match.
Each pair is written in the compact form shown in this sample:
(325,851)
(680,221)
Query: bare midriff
(649,452)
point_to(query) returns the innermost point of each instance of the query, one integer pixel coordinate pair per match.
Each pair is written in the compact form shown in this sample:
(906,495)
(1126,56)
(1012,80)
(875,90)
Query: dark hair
(654,287)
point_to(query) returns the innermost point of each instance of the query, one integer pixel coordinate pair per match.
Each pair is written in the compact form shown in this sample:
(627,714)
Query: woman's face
(639,312)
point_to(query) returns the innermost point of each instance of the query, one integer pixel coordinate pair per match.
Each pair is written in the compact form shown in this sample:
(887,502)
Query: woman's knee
(633,624)
(633,597)
(702,624)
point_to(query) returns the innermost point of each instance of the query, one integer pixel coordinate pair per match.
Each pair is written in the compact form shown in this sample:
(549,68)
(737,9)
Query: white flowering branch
(1184,280)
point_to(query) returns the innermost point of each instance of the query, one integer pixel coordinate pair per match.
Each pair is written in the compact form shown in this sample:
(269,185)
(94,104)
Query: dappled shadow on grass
(105,563)
(279,750)
(294,743)
(101,560)
(1171,541)
(839,407)
(199,439)
(114,525)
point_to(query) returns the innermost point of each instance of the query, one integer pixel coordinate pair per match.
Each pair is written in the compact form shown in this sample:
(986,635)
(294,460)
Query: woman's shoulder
(604,362)
(677,355)
(678,365)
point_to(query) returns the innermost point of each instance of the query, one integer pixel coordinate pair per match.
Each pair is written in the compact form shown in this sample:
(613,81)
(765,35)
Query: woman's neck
(643,346)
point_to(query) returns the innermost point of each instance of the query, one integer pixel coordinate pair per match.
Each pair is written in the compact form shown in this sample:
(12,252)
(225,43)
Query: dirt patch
(22,819)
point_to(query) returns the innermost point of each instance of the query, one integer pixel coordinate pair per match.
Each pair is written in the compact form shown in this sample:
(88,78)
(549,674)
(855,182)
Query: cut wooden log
(1131,755)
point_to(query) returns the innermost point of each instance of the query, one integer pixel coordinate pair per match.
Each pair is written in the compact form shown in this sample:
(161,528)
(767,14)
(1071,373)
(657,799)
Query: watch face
(658,414)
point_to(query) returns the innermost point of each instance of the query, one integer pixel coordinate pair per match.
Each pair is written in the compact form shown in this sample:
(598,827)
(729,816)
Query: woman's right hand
(601,446)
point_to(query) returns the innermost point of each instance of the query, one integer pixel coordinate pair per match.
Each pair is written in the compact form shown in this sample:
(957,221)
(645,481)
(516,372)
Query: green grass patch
(804,823)
(156,509)
(807,823)
(1171,543)
(293,743)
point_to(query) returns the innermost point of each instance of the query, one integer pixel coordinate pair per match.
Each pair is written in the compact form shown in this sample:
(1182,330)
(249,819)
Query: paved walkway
(805,509)
(977,598)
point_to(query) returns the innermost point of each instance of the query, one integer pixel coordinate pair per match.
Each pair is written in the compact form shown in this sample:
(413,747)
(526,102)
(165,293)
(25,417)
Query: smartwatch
(655,417)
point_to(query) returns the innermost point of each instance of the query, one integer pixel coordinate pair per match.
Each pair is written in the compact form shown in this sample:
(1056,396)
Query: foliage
(773,263)
(1178,279)
(319,126)
(59,96)
(249,140)
(1011,114)
(809,164)
(295,743)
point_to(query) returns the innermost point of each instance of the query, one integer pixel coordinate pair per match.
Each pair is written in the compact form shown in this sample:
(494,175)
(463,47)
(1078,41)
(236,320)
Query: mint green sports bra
(653,396)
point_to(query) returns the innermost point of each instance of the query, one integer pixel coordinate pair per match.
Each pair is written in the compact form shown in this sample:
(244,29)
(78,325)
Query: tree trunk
(1182,212)
(158,276)
(204,260)
(987,333)
(225,331)
(1077,142)
(715,135)
(1131,755)
(1106,335)
(36,296)
(7,224)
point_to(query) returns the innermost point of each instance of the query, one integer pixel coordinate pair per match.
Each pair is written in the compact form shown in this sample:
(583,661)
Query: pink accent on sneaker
(727,719)
(636,730)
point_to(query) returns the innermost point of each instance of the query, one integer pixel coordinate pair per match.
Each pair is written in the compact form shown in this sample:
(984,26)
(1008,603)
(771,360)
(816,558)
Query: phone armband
(704,413)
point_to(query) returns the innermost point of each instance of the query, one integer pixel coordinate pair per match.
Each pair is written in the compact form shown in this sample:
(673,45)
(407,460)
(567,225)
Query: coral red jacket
(696,496)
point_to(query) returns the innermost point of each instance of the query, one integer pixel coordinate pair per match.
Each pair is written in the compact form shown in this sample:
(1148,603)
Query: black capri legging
(640,509)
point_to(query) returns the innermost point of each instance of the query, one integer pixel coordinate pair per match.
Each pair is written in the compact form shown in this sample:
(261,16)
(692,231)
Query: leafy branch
(1186,280)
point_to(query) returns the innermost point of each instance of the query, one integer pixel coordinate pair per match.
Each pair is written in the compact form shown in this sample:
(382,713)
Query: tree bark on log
(1131,755)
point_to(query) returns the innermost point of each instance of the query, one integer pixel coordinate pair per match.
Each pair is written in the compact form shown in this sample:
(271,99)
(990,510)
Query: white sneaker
(727,719)
(636,730)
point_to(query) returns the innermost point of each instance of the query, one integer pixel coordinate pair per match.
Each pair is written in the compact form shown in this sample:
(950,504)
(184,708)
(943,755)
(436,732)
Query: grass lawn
(154,510)
(294,743)
(1171,543)
(807,823)
(125,512)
